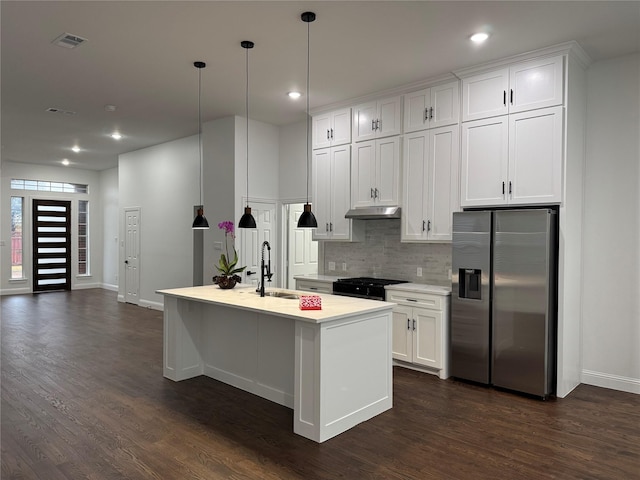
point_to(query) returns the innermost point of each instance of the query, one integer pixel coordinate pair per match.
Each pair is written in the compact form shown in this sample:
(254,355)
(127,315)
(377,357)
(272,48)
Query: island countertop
(334,307)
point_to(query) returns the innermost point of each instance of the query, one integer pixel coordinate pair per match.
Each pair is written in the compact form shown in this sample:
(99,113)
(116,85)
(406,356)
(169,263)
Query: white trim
(151,305)
(614,382)
(86,286)
(15,291)
(109,286)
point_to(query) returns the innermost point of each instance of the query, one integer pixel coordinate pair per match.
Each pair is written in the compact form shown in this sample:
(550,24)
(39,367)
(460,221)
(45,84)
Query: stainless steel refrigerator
(504,299)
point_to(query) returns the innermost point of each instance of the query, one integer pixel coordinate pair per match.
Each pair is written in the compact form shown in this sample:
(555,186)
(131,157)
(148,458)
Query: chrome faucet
(265,270)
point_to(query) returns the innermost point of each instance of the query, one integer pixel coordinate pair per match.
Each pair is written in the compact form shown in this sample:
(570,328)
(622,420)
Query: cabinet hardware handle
(504,97)
(373,124)
(375,195)
(331,226)
(328,134)
(378,127)
(426,114)
(411,300)
(502,188)
(371,192)
(511,96)
(423,225)
(313,288)
(332,134)
(414,323)
(326,228)
(408,324)
(429,226)
(509,187)
(430,113)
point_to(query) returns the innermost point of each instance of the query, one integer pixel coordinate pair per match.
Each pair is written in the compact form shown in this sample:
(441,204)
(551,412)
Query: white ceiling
(139,56)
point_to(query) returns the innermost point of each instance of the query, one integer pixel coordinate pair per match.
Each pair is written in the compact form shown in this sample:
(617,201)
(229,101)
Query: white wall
(611,292)
(164,182)
(58,174)
(110,233)
(293,163)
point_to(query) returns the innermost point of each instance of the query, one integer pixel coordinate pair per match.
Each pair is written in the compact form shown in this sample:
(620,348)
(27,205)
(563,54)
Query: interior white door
(132,255)
(252,239)
(302,251)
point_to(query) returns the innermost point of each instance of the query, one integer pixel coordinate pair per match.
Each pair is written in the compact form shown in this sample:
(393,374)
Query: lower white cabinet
(421,330)
(315,285)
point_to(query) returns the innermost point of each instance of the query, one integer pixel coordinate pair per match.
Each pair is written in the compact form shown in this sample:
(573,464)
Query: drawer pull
(411,300)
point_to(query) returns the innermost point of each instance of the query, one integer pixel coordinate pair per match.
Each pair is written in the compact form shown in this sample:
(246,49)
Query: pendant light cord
(200,129)
(247,105)
(308,70)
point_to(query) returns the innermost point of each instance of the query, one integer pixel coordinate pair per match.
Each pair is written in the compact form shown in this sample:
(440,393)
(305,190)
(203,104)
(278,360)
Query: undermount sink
(290,295)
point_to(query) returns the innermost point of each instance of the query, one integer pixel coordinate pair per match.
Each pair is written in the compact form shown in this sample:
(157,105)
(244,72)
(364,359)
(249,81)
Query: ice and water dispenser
(470,283)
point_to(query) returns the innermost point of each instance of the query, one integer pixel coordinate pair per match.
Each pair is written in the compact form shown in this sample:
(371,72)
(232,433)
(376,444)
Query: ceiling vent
(60,111)
(68,40)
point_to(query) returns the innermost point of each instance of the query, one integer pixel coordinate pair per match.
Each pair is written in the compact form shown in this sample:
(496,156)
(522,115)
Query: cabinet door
(402,332)
(416,110)
(484,162)
(321,192)
(321,131)
(485,95)
(443,199)
(536,84)
(364,121)
(389,118)
(341,121)
(445,102)
(414,180)
(339,226)
(387,171)
(363,176)
(426,338)
(535,156)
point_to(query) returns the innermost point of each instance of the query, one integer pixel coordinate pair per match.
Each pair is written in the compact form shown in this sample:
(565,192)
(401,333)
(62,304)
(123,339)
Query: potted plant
(226,266)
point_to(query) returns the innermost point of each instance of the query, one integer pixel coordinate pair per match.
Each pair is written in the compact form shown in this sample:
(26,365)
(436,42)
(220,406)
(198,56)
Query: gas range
(363,287)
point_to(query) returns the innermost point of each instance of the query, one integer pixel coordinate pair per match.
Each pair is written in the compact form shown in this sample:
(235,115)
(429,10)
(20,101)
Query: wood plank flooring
(83,396)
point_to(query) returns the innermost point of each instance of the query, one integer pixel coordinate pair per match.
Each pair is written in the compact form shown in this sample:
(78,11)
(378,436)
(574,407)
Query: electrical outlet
(419,271)
(344,266)
(332,265)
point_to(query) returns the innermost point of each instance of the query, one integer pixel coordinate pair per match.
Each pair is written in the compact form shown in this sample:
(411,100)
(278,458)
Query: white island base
(332,366)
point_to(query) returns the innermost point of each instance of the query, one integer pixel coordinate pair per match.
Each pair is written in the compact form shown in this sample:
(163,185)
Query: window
(83,237)
(46,186)
(16,237)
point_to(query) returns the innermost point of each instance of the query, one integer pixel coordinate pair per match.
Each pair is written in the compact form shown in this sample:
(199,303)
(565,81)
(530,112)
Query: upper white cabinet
(432,107)
(521,87)
(430,180)
(332,194)
(513,159)
(375,173)
(332,128)
(377,119)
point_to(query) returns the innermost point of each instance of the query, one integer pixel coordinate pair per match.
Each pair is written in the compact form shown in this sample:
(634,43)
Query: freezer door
(470,296)
(523,301)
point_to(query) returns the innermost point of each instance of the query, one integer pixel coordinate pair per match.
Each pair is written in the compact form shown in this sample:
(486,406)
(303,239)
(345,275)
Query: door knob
(249,272)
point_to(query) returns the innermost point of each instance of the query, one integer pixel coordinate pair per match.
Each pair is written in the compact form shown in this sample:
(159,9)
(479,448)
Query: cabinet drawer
(422,300)
(311,286)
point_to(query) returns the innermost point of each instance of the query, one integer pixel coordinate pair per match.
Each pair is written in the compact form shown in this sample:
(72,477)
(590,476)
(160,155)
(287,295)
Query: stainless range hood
(373,213)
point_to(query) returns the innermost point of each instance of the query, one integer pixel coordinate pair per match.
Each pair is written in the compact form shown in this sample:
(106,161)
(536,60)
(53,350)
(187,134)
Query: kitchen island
(332,366)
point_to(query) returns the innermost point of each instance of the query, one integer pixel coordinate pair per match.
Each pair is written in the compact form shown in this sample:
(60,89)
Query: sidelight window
(83,237)
(16,237)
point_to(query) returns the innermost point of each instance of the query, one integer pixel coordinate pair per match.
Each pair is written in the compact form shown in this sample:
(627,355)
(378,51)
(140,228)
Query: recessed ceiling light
(65,162)
(116,136)
(479,37)
(294,95)
(75,148)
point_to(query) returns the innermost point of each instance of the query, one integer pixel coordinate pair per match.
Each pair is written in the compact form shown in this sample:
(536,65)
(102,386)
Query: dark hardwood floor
(83,396)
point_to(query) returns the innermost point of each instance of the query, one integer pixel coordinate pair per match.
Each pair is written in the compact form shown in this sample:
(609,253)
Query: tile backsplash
(383,255)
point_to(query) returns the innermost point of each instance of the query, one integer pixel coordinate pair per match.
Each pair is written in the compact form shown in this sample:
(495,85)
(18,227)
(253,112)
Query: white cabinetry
(430,181)
(513,159)
(377,119)
(315,285)
(375,173)
(420,330)
(524,86)
(332,128)
(331,194)
(432,107)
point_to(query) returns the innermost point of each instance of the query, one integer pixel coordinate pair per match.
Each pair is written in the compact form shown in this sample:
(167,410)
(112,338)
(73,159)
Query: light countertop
(318,277)
(420,288)
(334,307)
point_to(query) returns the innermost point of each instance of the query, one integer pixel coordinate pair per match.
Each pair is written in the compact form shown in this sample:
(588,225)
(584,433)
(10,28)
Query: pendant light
(307,219)
(200,222)
(247,220)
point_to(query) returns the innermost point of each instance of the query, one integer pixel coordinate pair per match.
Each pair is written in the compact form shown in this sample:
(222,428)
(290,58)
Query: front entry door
(132,255)
(51,245)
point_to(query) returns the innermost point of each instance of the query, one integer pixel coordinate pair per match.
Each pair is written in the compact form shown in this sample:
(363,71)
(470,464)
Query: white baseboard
(15,291)
(86,286)
(110,287)
(152,305)
(614,382)
(121,298)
